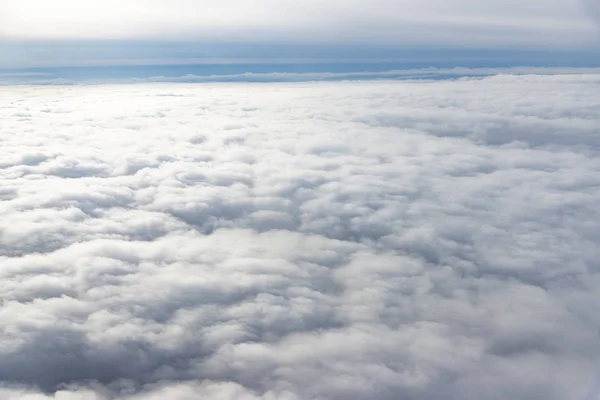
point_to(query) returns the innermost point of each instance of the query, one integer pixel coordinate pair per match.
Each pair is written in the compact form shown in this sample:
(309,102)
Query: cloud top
(366,240)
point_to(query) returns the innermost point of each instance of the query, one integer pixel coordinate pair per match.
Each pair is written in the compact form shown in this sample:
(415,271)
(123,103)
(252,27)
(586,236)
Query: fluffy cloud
(463,23)
(354,240)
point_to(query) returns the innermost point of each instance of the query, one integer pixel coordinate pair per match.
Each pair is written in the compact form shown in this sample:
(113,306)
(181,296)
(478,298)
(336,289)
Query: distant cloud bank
(57,76)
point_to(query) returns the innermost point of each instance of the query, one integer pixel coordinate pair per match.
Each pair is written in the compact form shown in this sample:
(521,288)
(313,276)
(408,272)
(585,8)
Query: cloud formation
(355,240)
(414,74)
(461,23)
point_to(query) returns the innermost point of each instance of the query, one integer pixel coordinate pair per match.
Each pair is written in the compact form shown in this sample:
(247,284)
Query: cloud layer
(384,240)
(54,77)
(462,23)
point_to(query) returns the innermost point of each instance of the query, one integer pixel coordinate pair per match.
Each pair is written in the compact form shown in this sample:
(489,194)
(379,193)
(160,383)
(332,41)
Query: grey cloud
(463,23)
(592,8)
(406,74)
(345,240)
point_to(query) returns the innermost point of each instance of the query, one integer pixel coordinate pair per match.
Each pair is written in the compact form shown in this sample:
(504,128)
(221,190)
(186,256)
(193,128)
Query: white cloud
(301,240)
(419,74)
(464,23)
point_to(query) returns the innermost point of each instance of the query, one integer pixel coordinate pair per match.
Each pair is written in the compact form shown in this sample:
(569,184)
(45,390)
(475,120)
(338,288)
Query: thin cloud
(463,23)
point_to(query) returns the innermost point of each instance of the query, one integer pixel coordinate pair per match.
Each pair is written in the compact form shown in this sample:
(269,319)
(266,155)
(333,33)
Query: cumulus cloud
(332,240)
(464,23)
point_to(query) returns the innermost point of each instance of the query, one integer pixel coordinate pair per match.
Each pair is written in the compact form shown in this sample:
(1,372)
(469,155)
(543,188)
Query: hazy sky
(71,32)
(550,25)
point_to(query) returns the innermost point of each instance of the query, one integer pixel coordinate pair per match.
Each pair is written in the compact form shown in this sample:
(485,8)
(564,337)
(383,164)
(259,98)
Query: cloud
(593,9)
(463,23)
(330,240)
(420,74)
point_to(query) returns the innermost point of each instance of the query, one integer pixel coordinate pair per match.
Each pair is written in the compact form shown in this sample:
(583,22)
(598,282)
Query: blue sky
(86,32)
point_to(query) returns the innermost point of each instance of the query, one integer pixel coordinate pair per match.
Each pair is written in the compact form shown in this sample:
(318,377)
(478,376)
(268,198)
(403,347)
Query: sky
(309,240)
(90,31)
